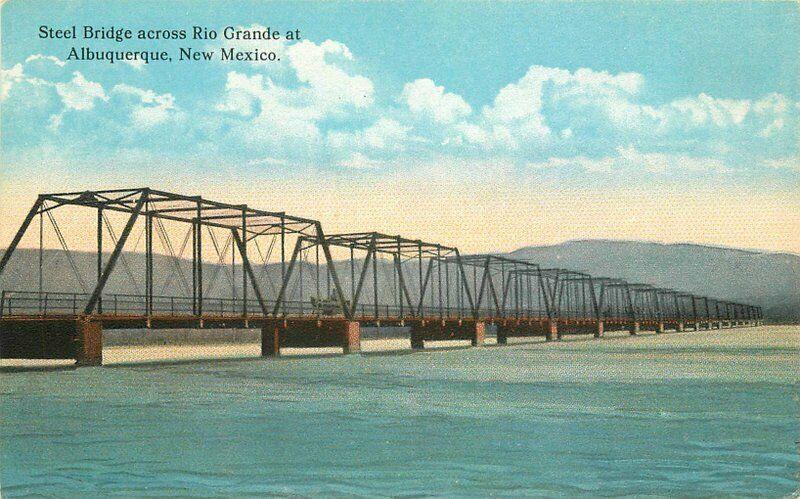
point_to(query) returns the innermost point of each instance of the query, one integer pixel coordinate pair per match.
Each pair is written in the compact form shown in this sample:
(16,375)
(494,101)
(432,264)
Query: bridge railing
(33,303)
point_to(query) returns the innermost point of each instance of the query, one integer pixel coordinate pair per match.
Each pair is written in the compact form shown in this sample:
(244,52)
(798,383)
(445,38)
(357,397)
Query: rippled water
(694,413)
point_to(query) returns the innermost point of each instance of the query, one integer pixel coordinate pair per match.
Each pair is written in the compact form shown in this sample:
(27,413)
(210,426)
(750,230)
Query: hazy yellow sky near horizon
(478,216)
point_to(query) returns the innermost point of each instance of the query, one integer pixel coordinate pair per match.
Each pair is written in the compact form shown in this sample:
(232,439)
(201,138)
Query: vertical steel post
(279,302)
(439,277)
(244,261)
(375,279)
(399,279)
(316,247)
(99,255)
(41,258)
(148,261)
(421,291)
(247,270)
(283,257)
(112,260)
(194,267)
(300,279)
(329,259)
(199,258)
(352,274)
(233,278)
(447,286)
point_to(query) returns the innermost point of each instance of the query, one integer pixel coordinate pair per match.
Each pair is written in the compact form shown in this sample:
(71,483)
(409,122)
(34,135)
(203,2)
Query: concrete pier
(552,331)
(89,340)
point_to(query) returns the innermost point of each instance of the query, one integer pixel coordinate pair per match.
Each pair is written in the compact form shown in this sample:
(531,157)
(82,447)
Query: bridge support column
(479,334)
(89,338)
(634,329)
(598,333)
(351,342)
(552,331)
(270,339)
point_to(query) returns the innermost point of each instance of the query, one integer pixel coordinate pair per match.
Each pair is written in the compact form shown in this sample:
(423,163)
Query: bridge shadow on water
(391,352)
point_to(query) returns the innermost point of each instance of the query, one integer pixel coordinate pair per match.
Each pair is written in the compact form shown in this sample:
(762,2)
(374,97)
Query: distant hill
(771,280)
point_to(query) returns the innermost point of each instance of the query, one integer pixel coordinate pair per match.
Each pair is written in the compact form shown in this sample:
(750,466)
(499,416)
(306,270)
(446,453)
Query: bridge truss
(162,259)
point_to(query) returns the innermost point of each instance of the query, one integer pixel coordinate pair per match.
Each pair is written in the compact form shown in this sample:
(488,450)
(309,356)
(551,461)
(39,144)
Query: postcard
(407,248)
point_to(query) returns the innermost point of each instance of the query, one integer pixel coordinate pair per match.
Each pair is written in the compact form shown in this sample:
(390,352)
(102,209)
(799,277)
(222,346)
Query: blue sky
(624,96)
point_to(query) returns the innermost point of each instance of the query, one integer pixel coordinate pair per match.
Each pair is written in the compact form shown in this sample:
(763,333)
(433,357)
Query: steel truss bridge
(301,286)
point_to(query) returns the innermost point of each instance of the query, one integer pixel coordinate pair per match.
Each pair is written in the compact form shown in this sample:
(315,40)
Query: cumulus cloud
(9,77)
(521,106)
(424,98)
(272,111)
(272,108)
(331,87)
(79,93)
(315,105)
(150,108)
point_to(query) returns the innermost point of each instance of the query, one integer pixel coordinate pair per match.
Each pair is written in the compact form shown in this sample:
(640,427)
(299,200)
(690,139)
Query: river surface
(706,413)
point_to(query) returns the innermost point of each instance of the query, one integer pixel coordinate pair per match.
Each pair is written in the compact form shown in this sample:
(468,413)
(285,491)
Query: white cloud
(241,93)
(80,93)
(137,64)
(273,111)
(8,78)
(331,87)
(151,109)
(424,98)
(321,88)
(790,164)
(48,58)
(522,103)
(359,161)
(385,133)
(704,110)
(629,159)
